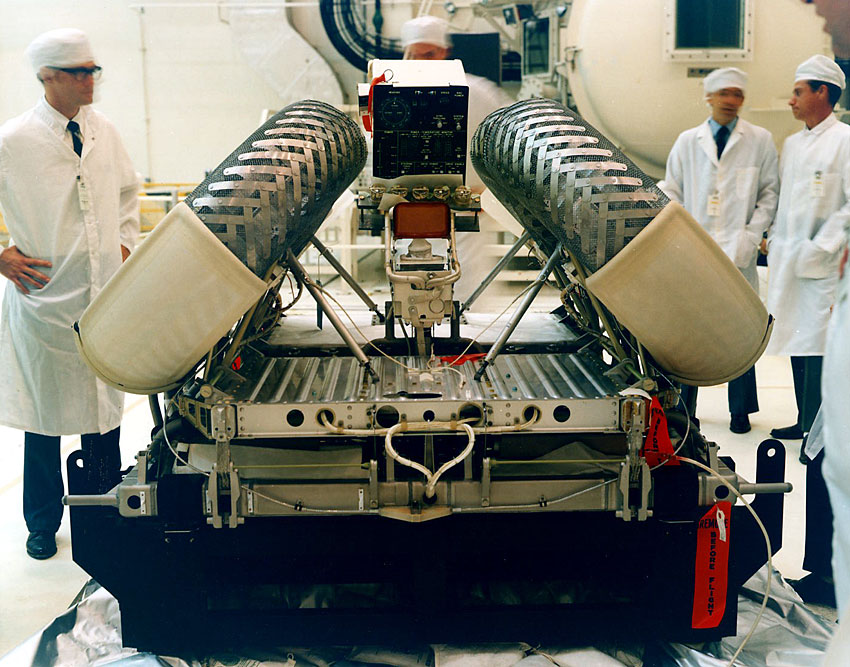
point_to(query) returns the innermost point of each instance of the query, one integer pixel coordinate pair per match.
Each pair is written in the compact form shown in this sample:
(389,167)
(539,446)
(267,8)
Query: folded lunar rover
(414,478)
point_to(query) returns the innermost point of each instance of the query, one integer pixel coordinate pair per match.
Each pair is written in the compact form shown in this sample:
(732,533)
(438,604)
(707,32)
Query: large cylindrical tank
(627,85)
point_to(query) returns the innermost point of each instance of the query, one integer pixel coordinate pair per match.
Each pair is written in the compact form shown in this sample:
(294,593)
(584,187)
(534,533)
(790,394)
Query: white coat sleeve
(128,204)
(818,257)
(767,199)
(673,175)
(2,179)
(768,194)
(782,156)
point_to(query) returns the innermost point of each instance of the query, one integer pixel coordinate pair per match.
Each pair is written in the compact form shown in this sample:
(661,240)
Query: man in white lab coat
(804,251)
(427,38)
(835,388)
(804,242)
(68,193)
(724,172)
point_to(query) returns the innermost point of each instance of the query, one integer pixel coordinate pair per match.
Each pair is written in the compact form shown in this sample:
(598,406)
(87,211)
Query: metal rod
(346,276)
(582,276)
(105,500)
(765,487)
(243,326)
(523,307)
(322,302)
(509,255)
(561,278)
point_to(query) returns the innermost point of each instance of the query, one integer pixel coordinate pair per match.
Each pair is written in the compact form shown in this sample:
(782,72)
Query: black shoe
(815,589)
(41,544)
(740,424)
(787,433)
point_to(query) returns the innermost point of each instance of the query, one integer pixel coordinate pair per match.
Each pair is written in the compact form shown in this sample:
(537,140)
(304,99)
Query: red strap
(658,449)
(367,119)
(462,359)
(711,573)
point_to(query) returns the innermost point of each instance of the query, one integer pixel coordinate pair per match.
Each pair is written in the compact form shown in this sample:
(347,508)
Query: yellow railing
(157,199)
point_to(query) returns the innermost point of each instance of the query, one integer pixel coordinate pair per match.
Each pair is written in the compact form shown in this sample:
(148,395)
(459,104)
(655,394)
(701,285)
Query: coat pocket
(746,248)
(814,262)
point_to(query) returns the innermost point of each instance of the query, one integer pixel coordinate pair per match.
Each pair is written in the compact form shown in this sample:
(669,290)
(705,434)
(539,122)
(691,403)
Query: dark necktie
(77,136)
(720,139)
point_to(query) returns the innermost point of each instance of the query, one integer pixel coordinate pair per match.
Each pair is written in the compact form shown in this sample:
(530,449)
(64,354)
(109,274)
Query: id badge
(712,209)
(83,194)
(817,184)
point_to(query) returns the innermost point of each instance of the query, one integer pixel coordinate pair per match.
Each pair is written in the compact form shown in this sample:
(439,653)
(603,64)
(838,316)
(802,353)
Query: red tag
(367,119)
(712,566)
(459,361)
(237,363)
(658,449)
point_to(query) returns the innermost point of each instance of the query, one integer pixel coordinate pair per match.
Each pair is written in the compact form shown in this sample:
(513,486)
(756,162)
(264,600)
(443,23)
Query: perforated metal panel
(273,192)
(563,180)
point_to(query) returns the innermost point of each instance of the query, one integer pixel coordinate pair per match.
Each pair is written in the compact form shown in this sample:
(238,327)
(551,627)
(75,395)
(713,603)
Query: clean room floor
(32,592)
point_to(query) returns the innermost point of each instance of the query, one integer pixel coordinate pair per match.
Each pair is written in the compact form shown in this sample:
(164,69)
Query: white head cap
(725,77)
(65,47)
(425,30)
(820,68)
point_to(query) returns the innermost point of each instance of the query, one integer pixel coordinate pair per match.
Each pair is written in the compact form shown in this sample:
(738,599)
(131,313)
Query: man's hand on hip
(19,268)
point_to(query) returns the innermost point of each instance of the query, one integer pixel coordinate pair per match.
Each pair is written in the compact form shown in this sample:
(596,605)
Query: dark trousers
(43,486)
(806,372)
(743,396)
(817,557)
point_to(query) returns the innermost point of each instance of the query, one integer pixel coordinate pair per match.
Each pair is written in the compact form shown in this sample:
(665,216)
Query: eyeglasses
(82,73)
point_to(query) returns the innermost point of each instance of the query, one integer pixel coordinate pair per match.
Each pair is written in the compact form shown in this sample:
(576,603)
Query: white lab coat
(485,97)
(804,243)
(835,412)
(45,387)
(745,178)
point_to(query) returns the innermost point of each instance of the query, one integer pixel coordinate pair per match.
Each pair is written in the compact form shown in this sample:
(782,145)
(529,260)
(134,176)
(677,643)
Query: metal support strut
(346,276)
(534,290)
(322,302)
(509,255)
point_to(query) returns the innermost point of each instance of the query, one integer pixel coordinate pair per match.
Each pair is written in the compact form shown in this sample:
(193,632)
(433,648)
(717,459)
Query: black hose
(697,444)
(156,413)
(351,40)
(161,455)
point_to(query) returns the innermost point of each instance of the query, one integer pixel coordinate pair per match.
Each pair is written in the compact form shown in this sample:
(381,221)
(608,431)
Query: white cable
(174,451)
(298,507)
(766,543)
(293,506)
(431,477)
(395,361)
(432,483)
(398,457)
(546,503)
(427,426)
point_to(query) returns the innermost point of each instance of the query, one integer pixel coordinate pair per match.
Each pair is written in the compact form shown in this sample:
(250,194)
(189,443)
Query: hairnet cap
(427,30)
(820,68)
(725,77)
(65,47)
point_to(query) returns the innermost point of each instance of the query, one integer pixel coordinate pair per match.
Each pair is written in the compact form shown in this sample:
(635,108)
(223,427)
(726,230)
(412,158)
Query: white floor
(33,592)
